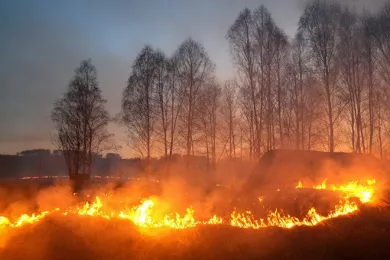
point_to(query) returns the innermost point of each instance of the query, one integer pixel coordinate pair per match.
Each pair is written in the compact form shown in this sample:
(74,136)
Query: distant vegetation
(326,89)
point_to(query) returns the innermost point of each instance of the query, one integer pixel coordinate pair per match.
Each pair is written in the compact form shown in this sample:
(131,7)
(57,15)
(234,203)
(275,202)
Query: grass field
(365,235)
(362,235)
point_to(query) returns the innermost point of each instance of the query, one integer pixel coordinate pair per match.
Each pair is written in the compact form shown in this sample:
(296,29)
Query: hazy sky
(43,41)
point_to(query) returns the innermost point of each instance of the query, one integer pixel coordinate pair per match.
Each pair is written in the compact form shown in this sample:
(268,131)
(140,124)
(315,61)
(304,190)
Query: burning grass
(147,215)
(361,236)
(152,221)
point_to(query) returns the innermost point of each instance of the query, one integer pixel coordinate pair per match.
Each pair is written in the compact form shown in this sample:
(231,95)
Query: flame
(147,214)
(322,186)
(352,189)
(4,222)
(215,220)
(277,219)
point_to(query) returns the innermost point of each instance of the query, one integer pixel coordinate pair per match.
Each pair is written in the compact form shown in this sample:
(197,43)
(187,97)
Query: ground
(364,235)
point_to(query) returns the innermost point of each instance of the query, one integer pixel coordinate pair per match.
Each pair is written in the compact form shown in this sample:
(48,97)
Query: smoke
(232,184)
(209,193)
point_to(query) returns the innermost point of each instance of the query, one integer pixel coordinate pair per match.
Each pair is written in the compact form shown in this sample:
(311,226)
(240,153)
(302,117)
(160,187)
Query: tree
(319,24)
(242,48)
(81,120)
(210,99)
(265,43)
(368,57)
(352,71)
(297,73)
(381,37)
(195,71)
(281,45)
(139,109)
(175,100)
(228,114)
(163,94)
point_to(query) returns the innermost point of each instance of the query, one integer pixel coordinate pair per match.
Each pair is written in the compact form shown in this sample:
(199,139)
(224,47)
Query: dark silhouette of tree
(319,24)
(242,48)
(139,106)
(210,102)
(162,99)
(80,120)
(174,100)
(353,74)
(368,24)
(228,114)
(259,50)
(281,45)
(195,71)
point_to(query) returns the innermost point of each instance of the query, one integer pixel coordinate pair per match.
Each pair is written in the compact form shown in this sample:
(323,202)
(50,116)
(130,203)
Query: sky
(42,42)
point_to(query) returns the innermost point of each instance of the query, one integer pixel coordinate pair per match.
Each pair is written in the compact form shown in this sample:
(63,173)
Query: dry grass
(363,236)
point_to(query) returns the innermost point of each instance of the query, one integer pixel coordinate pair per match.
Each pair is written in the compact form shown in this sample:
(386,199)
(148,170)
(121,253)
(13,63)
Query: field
(363,234)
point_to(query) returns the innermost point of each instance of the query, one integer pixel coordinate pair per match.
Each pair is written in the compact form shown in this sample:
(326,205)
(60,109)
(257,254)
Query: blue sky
(43,41)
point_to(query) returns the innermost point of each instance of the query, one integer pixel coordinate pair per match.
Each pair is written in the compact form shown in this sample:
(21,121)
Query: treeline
(46,165)
(326,89)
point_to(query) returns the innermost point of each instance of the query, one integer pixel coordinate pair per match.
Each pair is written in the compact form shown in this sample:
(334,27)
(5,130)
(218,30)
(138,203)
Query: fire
(4,222)
(147,214)
(351,189)
(277,219)
(322,186)
(143,216)
(215,220)
(24,219)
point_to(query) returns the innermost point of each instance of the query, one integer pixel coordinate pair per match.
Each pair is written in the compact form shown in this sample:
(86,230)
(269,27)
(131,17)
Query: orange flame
(145,214)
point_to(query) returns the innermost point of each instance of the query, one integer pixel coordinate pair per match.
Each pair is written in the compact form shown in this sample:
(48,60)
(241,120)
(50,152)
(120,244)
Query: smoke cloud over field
(232,185)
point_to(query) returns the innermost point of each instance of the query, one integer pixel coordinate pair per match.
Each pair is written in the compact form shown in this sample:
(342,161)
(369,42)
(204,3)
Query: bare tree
(229,108)
(162,98)
(247,129)
(381,36)
(242,48)
(195,71)
(350,59)
(368,24)
(281,45)
(259,50)
(139,109)
(312,114)
(297,74)
(175,101)
(80,120)
(319,24)
(265,56)
(210,100)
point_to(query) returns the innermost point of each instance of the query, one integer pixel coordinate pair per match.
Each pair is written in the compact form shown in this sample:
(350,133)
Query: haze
(44,41)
